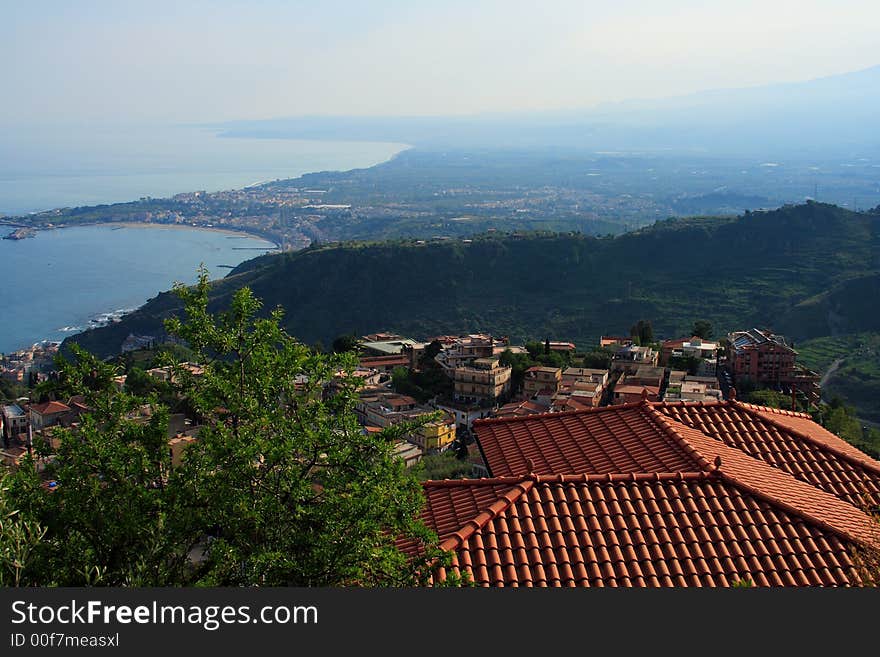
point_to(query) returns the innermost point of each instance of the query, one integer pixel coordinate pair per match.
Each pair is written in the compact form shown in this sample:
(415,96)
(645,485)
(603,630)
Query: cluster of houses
(25,426)
(28,365)
(483,388)
(639,475)
(636,372)
(23,423)
(472,363)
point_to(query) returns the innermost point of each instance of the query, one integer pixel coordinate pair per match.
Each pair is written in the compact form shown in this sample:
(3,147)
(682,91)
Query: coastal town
(454,197)
(443,384)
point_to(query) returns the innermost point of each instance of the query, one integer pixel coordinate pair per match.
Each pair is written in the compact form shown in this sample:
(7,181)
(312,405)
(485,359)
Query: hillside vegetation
(800,270)
(855,376)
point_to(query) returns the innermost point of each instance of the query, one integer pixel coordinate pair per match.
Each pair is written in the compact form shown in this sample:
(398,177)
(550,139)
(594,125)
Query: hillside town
(27,367)
(624,464)
(470,377)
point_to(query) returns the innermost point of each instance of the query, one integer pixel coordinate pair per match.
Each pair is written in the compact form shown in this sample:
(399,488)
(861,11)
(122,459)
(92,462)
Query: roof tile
(657,495)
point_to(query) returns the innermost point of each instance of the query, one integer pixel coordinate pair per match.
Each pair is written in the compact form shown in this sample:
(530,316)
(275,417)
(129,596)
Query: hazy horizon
(211,62)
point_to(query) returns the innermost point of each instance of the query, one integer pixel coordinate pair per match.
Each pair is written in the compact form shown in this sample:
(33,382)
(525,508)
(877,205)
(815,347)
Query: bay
(55,283)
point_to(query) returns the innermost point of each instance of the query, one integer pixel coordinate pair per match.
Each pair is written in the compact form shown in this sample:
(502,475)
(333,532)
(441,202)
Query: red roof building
(527,407)
(48,414)
(652,494)
(625,393)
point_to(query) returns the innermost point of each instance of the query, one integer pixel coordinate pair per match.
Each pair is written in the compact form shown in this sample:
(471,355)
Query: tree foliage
(344,343)
(116,516)
(643,332)
(702,329)
(689,364)
(445,465)
(282,486)
(19,538)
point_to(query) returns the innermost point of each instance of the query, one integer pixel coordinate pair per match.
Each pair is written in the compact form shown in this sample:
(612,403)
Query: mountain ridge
(767,268)
(831,115)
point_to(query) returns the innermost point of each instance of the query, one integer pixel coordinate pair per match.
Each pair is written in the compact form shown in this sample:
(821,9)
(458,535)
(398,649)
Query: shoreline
(14,221)
(144,224)
(98,319)
(5,217)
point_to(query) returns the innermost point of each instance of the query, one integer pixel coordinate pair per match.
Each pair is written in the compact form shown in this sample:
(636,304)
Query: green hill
(853,366)
(802,270)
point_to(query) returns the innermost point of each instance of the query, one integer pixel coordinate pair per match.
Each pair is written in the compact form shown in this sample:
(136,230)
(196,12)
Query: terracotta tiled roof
(617,439)
(636,389)
(775,485)
(789,441)
(526,407)
(653,494)
(570,404)
(51,407)
(684,529)
(450,505)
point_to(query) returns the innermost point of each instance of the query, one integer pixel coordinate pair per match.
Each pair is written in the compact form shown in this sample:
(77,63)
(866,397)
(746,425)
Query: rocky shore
(20,234)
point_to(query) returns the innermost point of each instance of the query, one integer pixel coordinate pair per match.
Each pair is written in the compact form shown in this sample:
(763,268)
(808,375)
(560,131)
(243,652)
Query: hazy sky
(187,61)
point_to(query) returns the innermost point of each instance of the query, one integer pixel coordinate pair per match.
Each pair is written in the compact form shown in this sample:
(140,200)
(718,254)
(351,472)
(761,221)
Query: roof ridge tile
(483,481)
(524,485)
(665,425)
(779,488)
(770,409)
(862,460)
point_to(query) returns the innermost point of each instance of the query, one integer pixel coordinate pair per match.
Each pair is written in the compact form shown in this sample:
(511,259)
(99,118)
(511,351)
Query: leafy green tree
(702,329)
(771,398)
(642,331)
(519,363)
(551,359)
(10,391)
(689,364)
(138,382)
(344,343)
(535,349)
(290,489)
(401,382)
(283,487)
(20,538)
(841,421)
(445,465)
(116,516)
(597,359)
(427,359)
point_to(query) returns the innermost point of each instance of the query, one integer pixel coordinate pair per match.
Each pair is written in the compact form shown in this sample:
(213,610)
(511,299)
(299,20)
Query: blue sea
(64,281)
(57,283)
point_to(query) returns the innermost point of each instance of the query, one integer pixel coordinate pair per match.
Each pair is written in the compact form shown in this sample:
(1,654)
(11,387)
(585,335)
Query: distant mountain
(800,270)
(835,116)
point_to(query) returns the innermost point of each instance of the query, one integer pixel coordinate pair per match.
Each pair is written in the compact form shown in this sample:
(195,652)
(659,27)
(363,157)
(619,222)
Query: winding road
(831,370)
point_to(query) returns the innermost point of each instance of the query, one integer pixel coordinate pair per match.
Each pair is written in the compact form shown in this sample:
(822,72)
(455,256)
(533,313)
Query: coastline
(241,233)
(233,232)
(88,309)
(9,216)
(15,221)
(24,221)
